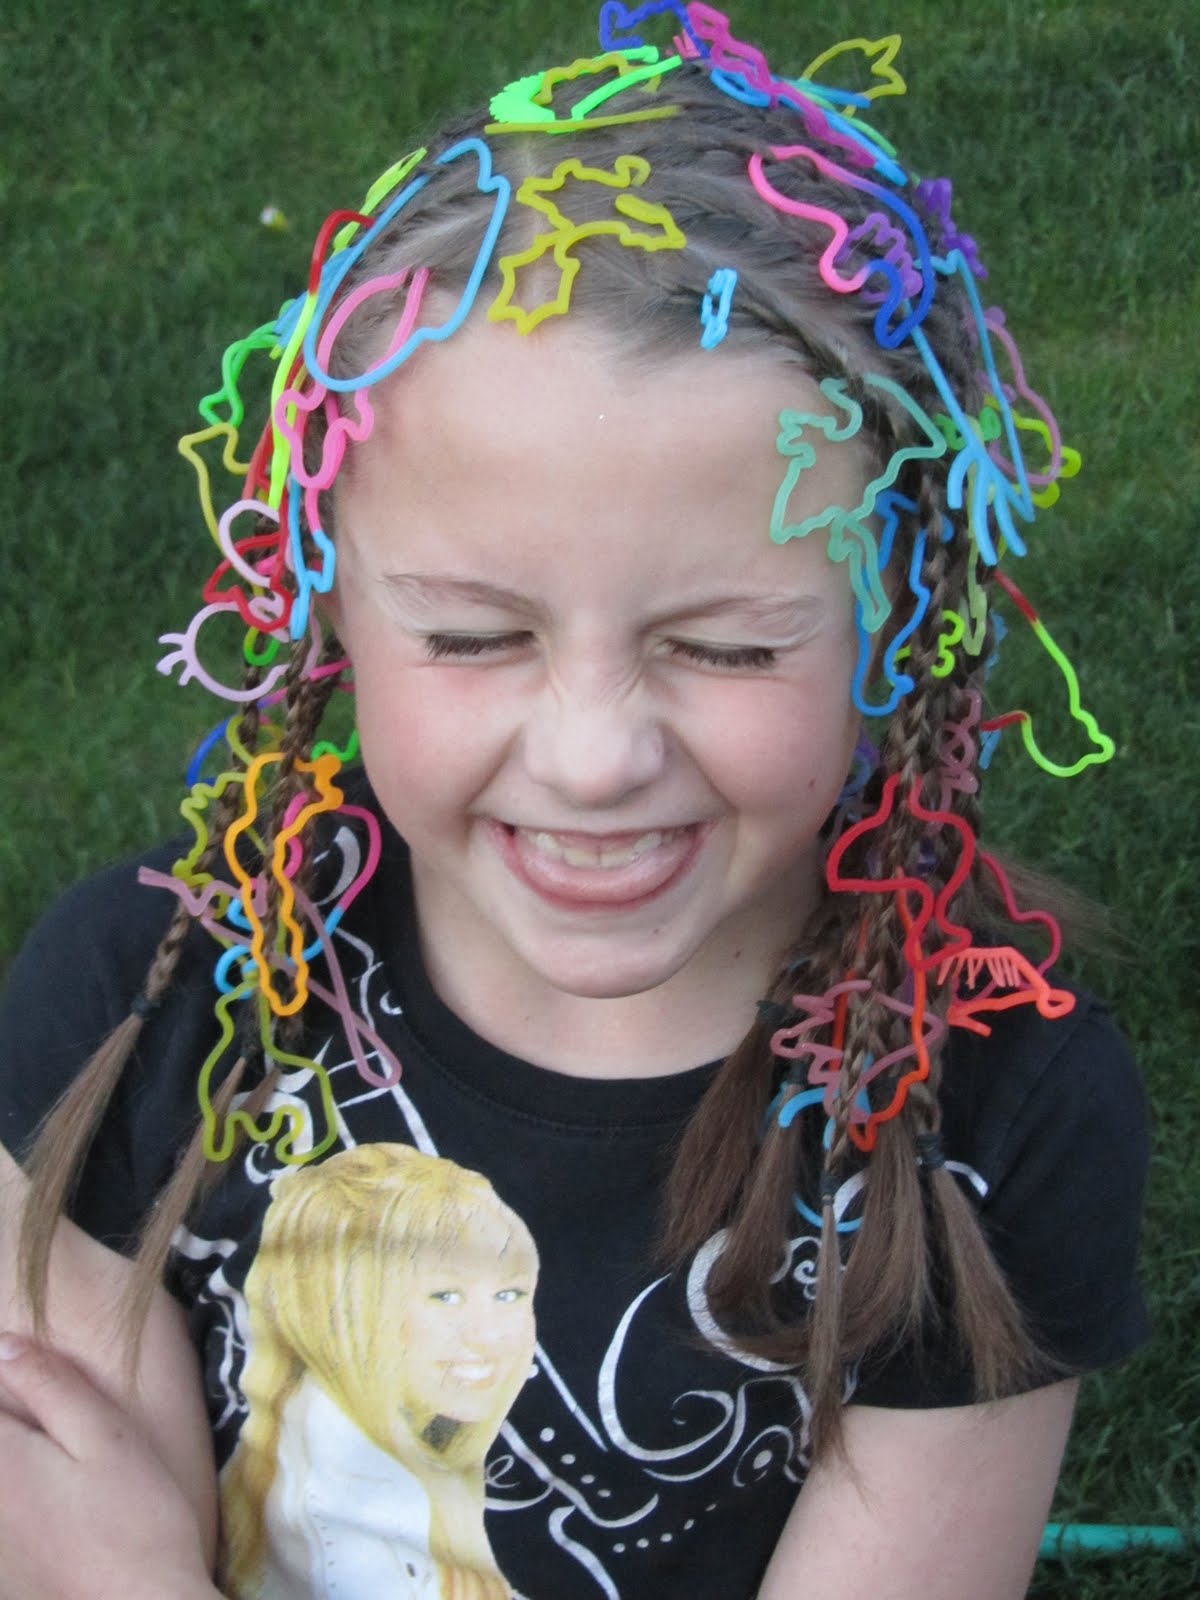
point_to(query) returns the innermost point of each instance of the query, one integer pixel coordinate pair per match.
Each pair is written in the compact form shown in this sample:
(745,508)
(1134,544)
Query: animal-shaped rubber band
(1023,918)
(1009,970)
(975,481)
(838,227)
(934,908)
(956,764)
(878,53)
(1048,489)
(741,70)
(826,1060)
(614,15)
(233,361)
(1102,746)
(893,251)
(193,808)
(384,185)
(203,750)
(795,1042)
(256,588)
(487,182)
(183,653)
(328,798)
(888,333)
(289,1126)
(661,233)
(292,410)
(935,195)
(338,999)
(953,634)
(1043,420)
(890,506)
(714,308)
(293,328)
(850,533)
(529,101)
(786,1107)
(188,449)
(627,75)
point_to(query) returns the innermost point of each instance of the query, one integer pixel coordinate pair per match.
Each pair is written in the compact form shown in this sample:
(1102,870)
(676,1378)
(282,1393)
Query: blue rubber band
(488,182)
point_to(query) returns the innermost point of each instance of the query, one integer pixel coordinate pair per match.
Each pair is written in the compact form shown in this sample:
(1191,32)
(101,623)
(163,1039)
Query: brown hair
(917,1229)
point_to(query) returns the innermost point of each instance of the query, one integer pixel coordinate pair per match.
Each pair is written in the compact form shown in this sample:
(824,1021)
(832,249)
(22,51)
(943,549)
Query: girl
(386,1354)
(643,454)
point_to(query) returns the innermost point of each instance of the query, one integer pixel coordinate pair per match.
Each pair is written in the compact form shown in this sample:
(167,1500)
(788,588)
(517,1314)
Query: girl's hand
(88,1511)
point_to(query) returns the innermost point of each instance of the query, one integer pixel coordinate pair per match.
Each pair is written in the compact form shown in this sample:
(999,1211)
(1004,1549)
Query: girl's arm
(928,1505)
(81,1438)
(87,1509)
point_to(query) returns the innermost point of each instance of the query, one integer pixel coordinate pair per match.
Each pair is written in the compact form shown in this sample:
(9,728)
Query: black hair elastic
(141,1005)
(930,1152)
(830,1184)
(772,1014)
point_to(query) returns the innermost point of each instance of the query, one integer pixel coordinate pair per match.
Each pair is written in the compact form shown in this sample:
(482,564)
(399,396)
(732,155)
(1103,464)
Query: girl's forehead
(491,1236)
(514,404)
(575,487)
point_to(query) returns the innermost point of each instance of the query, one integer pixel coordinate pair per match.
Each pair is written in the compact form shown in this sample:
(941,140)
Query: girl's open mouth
(588,870)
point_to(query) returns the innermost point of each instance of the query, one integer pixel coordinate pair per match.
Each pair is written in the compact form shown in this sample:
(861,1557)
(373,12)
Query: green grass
(144,141)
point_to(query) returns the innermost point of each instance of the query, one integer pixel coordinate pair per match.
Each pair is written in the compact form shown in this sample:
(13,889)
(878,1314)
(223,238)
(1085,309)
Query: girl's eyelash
(755,656)
(440,645)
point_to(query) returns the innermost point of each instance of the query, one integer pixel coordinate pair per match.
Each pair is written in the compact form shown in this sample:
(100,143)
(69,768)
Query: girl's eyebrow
(431,589)
(780,610)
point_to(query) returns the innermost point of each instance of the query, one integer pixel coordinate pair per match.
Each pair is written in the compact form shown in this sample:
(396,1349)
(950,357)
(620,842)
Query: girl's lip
(472,1374)
(536,858)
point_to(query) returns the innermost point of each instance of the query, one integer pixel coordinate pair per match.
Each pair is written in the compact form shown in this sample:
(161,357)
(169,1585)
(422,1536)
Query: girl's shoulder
(98,937)
(1045,1123)
(1033,1089)
(73,982)
(76,978)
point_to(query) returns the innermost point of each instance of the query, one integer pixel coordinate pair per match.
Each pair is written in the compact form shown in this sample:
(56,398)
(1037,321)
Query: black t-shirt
(621,1445)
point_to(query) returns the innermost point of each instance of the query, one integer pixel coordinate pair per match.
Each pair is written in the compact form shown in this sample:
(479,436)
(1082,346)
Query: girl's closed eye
(449,646)
(753,657)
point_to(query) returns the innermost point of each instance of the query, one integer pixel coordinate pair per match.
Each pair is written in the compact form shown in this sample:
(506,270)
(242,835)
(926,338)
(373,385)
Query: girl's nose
(488,1328)
(594,749)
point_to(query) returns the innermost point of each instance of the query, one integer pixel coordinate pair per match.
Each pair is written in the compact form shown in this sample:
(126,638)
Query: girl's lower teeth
(580,856)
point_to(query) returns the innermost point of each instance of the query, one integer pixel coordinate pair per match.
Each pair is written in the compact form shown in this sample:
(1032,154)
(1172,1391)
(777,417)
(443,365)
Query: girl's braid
(66,1134)
(305,702)
(306,696)
(883,1281)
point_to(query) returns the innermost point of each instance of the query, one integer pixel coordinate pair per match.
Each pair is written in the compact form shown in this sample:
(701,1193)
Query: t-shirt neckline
(485,1069)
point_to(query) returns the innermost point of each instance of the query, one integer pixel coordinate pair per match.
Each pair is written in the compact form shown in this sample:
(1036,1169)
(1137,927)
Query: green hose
(1107,1538)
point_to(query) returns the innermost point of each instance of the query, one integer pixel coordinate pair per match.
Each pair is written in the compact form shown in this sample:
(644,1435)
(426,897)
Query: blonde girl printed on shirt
(390,1325)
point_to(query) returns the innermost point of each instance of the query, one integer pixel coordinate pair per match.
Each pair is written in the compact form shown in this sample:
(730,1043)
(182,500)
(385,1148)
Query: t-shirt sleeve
(1052,1117)
(70,986)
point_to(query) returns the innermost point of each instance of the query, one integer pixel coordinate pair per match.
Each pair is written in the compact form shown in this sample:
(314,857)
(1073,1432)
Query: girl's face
(606,713)
(465,1334)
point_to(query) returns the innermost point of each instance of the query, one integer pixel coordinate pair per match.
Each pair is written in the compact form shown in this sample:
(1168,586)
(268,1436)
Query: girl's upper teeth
(577,854)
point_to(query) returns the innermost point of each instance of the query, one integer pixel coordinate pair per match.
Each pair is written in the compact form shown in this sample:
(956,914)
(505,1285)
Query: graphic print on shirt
(390,1320)
(603,1475)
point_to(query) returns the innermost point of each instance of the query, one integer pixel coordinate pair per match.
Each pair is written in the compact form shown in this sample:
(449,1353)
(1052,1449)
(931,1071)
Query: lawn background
(143,141)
